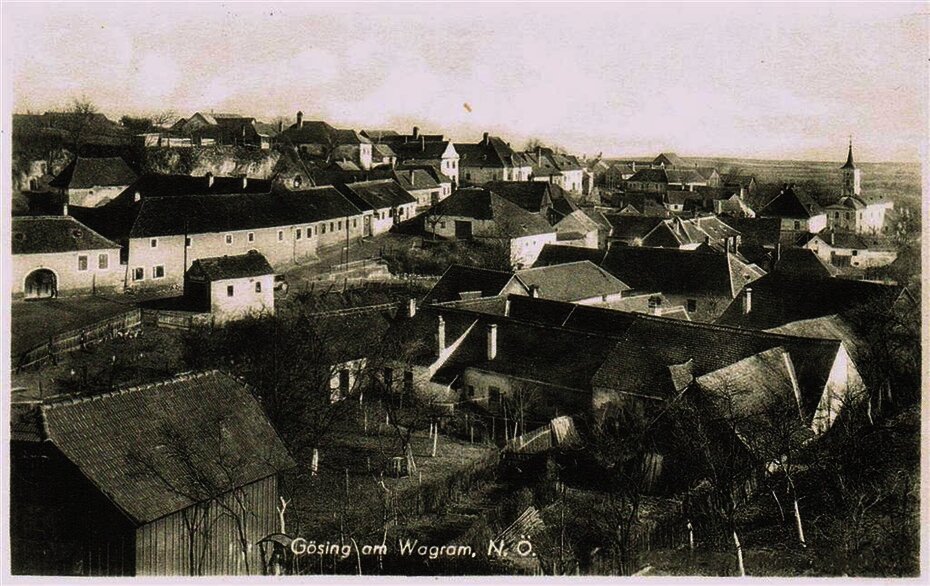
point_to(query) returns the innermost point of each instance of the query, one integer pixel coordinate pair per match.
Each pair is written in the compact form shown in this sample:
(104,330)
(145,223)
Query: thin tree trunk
(778,502)
(435,441)
(797,516)
(739,554)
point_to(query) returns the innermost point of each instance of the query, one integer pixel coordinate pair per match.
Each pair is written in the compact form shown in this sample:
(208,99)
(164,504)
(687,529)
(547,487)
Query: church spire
(849,158)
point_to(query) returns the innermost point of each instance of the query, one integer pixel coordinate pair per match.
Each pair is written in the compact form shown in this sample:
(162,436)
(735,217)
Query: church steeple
(849,158)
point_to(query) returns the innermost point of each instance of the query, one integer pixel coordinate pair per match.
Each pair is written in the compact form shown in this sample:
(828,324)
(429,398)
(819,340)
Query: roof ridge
(180,377)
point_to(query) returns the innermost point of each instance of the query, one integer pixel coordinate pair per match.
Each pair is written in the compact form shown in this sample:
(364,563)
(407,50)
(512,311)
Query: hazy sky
(769,80)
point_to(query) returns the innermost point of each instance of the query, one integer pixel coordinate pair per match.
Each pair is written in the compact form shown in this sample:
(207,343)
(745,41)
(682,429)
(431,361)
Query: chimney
(539,155)
(485,139)
(413,178)
(300,119)
(412,307)
(416,131)
(747,301)
(441,335)
(778,252)
(492,341)
(507,307)
(209,179)
(64,209)
(137,197)
(280,125)
(534,291)
(832,238)
(245,181)
(422,143)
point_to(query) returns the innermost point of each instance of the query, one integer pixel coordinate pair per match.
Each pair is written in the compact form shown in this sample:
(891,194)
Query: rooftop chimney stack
(507,307)
(534,291)
(747,301)
(300,119)
(416,132)
(64,209)
(492,341)
(412,307)
(245,181)
(485,138)
(441,335)
(209,179)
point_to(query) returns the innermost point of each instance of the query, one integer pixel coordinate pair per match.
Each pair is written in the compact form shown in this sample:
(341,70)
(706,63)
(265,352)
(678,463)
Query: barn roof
(51,234)
(458,279)
(554,254)
(83,172)
(159,448)
(572,281)
(377,194)
(483,204)
(217,268)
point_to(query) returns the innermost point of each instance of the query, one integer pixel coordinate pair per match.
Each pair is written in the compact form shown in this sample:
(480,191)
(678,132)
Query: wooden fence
(174,320)
(79,338)
(538,440)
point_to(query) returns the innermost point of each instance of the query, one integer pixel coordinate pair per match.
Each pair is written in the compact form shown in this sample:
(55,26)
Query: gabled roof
(674,271)
(240,266)
(459,279)
(650,175)
(83,173)
(483,204)
(382,150)
(377,135)
(673,159)
(492,152)
(779,298)
(556,254)
(631,228)
(160,448)
(791,204)
(415,179)
(533,196)
(421,149)
(801,261)
(198,214)
(848,202)
(852,240)
(377,194)
(159,185)
(319,132)
(759,231)
(572,281)
(53,234)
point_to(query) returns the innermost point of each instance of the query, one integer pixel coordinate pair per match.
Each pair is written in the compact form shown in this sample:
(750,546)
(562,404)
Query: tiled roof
(414,340)
(671,271)
(830,327)
(760,231)
(650,175)
(51,234)
(217,268)
(801,261)
(779,298)
(377,135)
(851,240)
(572,281)
(420,150)
(790,204)
(158,185)
(555,254)
(159,448)
(533,196)
(672,158)
(415,179)
(630,228)
(161,216)
(483,204)
(491,153)
(83,173)
(318,132)
(377,194)
(458,279)
(381,150)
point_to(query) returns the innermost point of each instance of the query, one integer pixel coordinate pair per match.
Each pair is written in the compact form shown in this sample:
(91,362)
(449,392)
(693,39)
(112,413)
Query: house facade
(91,182)
(797,212)
(383,204)
(320,140)
(57,255)
(492,159)
(844,249)
(231,287)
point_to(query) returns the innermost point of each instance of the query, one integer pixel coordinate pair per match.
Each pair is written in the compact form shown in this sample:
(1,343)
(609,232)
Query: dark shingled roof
(199,214)
(491,153)
(459,279)
(849,159)
(414,340)
(672,158)
(158,185)
(143,447)
(419,150)
(377,194)
(790,204)
(84,173)
(650,175)
(533,196)
(572,281)
(756,231)
(217,268)
(415,179)
(801,261)
(50,234)
(318,132)
(779,298)
(556,254)
(670,270)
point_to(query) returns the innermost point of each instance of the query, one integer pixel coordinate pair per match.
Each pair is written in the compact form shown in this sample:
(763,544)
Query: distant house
(710,176)
(231,287)
(580,282)
(579,229)
(422,149)
(800,261)
(163,236)
(383,203)
(459,282)
(204,129)
(848,249)
(703,199)
(556,168)
(549,201)
(492,159)
(670,161)
(421,184)
(383,156)
(649,180)
(91,182)
(852,214)
(777,299)
(57,255)
(152,185)
(797,211)
(745,184)
(482,214)
(176,478)
(319,139)
(704,282)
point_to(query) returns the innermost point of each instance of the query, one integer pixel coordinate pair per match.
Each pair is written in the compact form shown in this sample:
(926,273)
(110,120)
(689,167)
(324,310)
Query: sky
(786,81)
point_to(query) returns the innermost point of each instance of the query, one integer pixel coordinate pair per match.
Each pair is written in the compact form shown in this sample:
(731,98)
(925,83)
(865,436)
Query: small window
(258,286)
(138,274)
(187,241)
(692,305)
(797,225)
(158,272)
(309,231)
(229,290)
(82,263)
(442,225)
(323,228)
(855,253)
(340,225)
(354,222)
(153,242)
(280,235)
(103,261)
(471,390)
(251,237)
(298,234)
(229,239)
(494,395)
(332,226)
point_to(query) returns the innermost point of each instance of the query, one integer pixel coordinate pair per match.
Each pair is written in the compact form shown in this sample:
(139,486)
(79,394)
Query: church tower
(852,176)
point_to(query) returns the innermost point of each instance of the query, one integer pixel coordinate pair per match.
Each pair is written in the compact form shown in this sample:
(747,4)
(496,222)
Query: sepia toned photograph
(446,289)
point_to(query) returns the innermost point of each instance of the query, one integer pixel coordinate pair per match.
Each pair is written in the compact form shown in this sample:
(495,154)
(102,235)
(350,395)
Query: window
(344,381)
(153,242)
(229,290)
(855,253)
(298,234)
(408,381)
(332,226)
(158,272)
(280,235)
(494,396)
(442,225)
(187,241)
(138,274)
(323,228)
(847,215)
(471,390)
(692,305)
(251,237)
(836,215)
(797,225)
(103,261)
(340,225)
(354,222)
(258,286)
(82,263)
